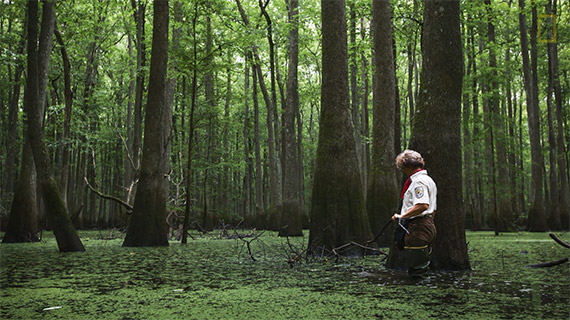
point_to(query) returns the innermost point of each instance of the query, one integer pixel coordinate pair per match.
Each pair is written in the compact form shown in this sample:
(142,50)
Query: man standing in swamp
(416,229)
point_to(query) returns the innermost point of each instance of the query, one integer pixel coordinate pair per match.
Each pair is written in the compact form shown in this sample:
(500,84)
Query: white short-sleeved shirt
(422,190)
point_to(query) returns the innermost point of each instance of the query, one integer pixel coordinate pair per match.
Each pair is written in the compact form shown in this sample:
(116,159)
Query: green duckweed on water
(212,278)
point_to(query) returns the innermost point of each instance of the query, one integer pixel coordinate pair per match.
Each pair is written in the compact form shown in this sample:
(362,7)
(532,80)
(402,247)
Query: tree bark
(365,127)
(22,223)
(38,65)
(440,98)
(468,187)
(22,219)
(536,216)
(189,173)
(64,177)
(272,123)
(554,221)
(246,199)
(147,226)
(259,206)
(478,163)
(291,223)
(338,214)
(382,194)
(12,144)
(139,17)
(564,190)
(207,216)
(503,217)
(354,101)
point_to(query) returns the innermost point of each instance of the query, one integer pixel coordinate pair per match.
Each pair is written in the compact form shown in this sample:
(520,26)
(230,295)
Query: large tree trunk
(536,215)
(554,221)
(291,223)
(478,164)
(354,101)
(440,98)
(564,191)
(382,194)
(147,226)
(64,177)
(259,206)
(468,187)
(22,219)
(139,17)
(503,217)
(38,64)
(12,144)
(338,215)
(365,127)
(272,123)
(247,216)
(22,223)
(511,120)
(207,216)
(189,173)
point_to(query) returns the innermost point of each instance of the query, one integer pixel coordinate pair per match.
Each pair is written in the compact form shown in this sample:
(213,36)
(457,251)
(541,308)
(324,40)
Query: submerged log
(548,264)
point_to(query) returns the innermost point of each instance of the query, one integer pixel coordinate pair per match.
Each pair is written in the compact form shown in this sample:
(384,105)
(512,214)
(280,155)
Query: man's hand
(396,216)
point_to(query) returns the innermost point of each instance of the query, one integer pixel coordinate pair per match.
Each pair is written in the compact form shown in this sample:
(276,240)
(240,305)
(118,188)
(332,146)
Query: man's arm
(416,210)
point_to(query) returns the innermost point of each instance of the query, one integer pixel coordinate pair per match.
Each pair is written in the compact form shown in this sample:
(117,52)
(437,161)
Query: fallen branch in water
(248,242)
(109,197)
(559,241)
(335,251)
(548,264)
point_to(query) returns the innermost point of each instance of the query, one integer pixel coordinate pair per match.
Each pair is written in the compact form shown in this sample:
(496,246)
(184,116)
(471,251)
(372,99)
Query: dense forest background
(242,145)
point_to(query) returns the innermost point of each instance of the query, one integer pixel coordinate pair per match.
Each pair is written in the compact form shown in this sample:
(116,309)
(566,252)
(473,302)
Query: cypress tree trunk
(564,191)
(259,206)
(468,187)
(139,17)
(382,194)
(12,144)
(440,98)
(38,64)
(536,217)
(246,198)
(147,226)
(189,173)
(207,216)
(64,177)
(554,221)
(365,127)
(477,211)
(502,214)
(272,123)
(338,215)
(291,223)
(22,223)
(354,89)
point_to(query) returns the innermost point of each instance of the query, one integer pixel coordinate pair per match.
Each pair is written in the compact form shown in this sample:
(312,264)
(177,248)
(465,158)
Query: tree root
(559,241)
(548,264)
(552,263)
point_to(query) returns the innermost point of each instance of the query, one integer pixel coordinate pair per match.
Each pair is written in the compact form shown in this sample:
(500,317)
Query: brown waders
(416,249)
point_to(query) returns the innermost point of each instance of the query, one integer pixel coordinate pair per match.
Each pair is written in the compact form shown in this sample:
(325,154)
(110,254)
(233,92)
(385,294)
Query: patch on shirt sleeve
(419,192)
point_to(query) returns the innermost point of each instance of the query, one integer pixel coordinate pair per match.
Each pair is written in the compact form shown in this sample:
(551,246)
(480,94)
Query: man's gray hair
(409,159)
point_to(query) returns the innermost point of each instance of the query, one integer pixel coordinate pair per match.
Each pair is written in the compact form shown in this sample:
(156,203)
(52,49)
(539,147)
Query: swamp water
(212,278)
